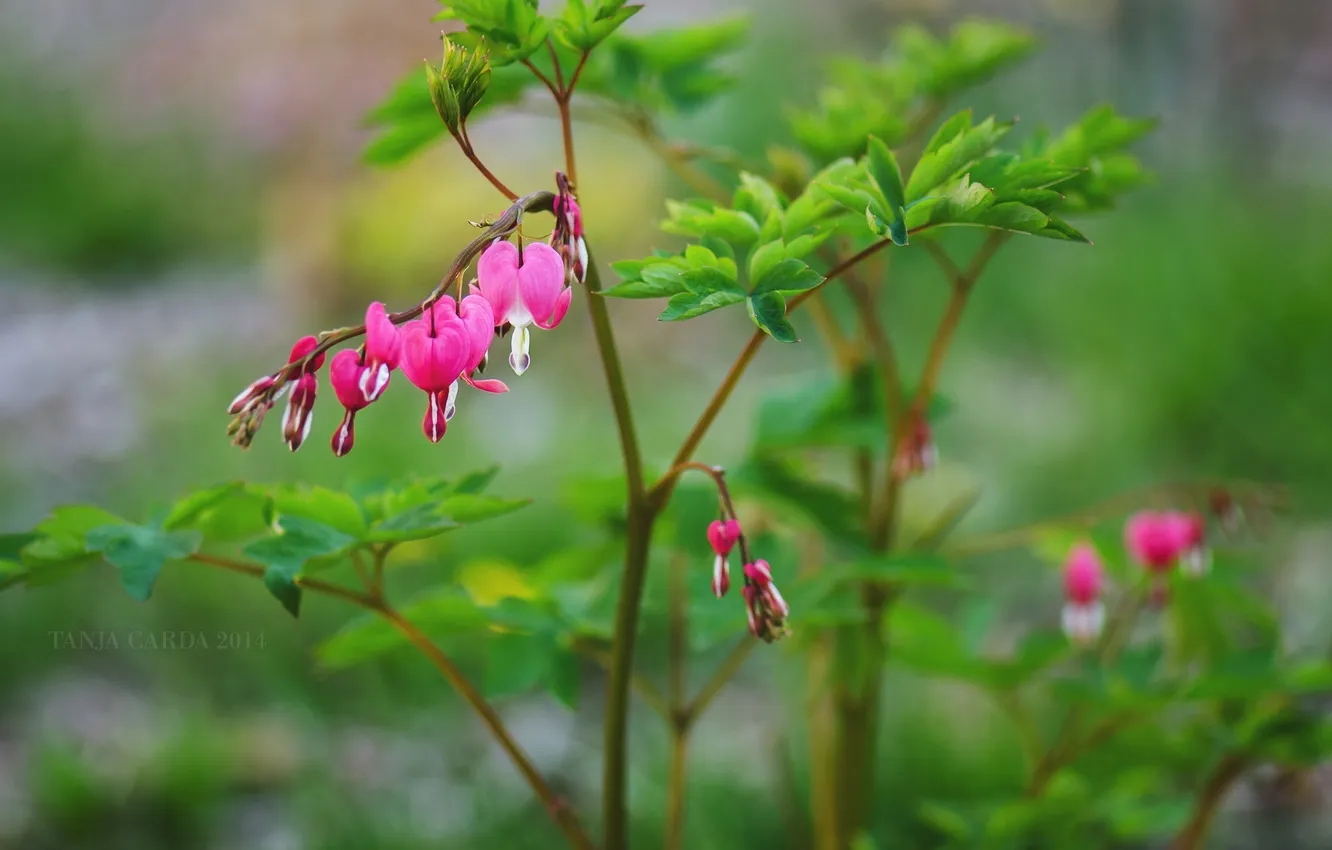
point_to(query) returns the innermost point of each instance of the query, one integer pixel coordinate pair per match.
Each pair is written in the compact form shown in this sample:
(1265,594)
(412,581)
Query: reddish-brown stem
(559,72)
(546,81)
(578,71)
(725,671)
(961,283)
(465,144)
(1228,770)
(317,585)
(556,806)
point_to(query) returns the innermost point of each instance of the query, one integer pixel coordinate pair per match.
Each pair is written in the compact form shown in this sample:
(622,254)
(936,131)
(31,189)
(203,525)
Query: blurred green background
(181,195)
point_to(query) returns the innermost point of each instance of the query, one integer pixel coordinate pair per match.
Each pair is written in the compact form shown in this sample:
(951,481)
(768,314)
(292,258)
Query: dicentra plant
(1134,719)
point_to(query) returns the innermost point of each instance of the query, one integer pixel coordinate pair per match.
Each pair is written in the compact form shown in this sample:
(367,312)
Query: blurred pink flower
(1084,613)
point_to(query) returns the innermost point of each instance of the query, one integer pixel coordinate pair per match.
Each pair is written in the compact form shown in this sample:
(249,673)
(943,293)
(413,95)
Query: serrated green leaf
(468,508)
(952,157)
(283,588)
(689,305)
(787,276)
(768,310)
(707,280)
(298,541)
(140,552)
(419,523)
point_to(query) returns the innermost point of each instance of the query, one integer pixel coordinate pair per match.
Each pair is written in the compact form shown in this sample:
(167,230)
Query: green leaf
(953,156)
(187,512)
(140,552)
(564,678)
(768,310)
(298,541)
(441,611)
(705,281)
(516,663)
(477,480)
(419,523)
(786,277)
(701,218)
(658,280)
(332,508)
(468,508)
(284,590)
(764,258)
(757,197)
(688,305)
(886,174)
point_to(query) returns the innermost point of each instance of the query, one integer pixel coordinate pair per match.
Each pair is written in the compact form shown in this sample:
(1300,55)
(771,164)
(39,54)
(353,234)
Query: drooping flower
(299,415)
(722,536)
(1084,613)
(1153,540)
(567,237)
(522,293)
(915,452)
(441,347)
(348,372)
(1195,558)
(383,348)
(766,608)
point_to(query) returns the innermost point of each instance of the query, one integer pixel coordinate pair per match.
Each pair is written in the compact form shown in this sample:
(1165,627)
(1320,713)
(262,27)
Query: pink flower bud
(1083,574)
(1083,616)
(721,576)
(251,395)
(302,349)
(759,573)
(723,535)
(1153,540)
(916,452)
(299,415)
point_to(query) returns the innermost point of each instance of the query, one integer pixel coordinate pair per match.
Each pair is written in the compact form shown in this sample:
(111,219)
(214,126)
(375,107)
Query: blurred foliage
(79,199)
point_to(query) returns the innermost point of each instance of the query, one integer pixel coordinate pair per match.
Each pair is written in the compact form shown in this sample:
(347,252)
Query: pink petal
(490,385)
(383,342)
(479,319)
(344,373)
(561,307)
(497,276)
(541,282)
(435,423)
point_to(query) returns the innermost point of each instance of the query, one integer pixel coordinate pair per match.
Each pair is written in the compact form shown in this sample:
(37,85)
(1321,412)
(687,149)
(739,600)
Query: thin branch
(554,92)
(578,72)
(555,805)
(720,677)
(465,144)
(1223,776)
(661,490)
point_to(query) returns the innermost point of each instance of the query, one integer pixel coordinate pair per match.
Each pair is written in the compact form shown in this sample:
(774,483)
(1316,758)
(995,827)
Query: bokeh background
(181,195)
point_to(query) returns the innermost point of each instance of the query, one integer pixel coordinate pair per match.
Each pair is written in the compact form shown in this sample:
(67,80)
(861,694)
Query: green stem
(679,720)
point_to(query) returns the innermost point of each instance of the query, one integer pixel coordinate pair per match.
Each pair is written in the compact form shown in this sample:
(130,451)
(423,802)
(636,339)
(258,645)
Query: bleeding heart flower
(567,237)
(435,350)
(722,536)
(442,347)
(764,604)
(523,293)
(1084,613)
(915,453)
(1153,540)
(348,373)
(383,348)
